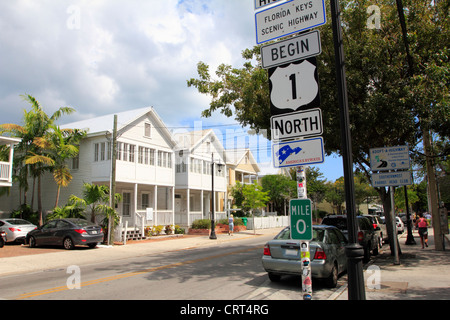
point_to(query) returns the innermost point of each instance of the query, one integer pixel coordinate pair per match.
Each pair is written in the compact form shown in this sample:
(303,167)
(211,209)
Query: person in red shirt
(422,224)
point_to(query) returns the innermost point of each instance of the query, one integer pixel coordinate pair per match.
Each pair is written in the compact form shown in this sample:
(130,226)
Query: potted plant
(170,228)
(156,230)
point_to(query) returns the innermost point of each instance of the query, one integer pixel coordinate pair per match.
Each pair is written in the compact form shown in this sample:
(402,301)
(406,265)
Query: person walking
(230,225)
(422,224)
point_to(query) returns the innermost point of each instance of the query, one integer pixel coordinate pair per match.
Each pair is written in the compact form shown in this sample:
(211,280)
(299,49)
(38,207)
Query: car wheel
(332,279)
(32,242)
(274,277)
(68,244)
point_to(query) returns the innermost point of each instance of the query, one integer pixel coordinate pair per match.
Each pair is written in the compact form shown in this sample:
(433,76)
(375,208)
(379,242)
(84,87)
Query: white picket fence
(267,222)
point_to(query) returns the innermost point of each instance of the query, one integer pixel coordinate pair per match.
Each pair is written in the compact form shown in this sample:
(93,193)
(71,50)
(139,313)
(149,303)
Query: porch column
(173,205)
(188,207)
(135,204)
(155,210)
(202,204)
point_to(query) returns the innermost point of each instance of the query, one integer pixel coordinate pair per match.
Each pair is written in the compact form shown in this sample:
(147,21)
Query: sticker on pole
(301,219)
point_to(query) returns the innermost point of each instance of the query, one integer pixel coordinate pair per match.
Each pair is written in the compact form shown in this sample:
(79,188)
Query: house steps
(134,235)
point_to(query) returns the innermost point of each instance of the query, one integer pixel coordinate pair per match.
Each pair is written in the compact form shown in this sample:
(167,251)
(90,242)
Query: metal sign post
(301,229)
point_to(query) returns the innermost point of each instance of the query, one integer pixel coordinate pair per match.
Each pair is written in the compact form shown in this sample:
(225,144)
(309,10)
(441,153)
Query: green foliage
(201,224)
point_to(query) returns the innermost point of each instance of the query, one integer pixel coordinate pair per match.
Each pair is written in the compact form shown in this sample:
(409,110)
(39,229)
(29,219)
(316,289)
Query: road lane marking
(130,274)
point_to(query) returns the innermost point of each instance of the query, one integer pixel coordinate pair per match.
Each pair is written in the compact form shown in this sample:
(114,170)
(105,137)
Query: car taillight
(320,254)
(80,231)
(266,250)
(360,236)
(375,225)
(14,229)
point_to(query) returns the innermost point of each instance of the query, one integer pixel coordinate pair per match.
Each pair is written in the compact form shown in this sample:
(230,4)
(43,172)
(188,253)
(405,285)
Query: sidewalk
(57,259)
(423,274)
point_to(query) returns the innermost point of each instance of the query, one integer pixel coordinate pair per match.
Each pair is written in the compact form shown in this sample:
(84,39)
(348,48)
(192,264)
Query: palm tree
(36,124)
(58,145)
(96,198)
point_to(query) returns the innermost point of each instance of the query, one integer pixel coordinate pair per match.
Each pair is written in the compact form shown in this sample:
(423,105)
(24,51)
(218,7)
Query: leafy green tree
(280,189)
(254,196)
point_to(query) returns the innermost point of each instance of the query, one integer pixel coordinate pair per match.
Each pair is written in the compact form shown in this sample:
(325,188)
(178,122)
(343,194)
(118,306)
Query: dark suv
(367,236)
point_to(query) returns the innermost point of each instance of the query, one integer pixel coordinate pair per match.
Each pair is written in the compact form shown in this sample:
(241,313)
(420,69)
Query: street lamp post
(212,235)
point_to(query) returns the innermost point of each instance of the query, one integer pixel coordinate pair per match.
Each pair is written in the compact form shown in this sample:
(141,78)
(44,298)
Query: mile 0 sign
(300,212)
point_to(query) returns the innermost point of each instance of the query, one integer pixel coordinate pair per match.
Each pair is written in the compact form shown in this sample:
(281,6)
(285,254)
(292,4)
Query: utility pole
(112,190)
(426,143)
(353,250)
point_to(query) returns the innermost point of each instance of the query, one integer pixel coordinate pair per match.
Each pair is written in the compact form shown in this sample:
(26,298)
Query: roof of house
(102,124)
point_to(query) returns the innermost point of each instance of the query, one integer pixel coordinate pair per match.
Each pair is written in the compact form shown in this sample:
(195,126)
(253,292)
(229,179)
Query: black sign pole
(354,251)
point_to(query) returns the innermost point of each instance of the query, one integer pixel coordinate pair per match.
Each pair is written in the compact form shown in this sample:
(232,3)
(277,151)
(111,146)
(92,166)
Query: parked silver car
(327,252)
(16,229)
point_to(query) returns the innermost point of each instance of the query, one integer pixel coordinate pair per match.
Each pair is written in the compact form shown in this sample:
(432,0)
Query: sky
(106,56)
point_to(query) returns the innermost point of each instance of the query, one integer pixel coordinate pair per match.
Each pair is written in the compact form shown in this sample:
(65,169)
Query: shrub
(201,224)
(179,230)
(237,221)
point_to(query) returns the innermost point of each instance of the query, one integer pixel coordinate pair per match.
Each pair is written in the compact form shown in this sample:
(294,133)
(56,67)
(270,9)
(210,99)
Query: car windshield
(338,222)
(17,222)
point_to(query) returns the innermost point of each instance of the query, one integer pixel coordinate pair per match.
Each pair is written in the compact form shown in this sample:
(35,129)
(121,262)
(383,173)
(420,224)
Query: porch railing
(5,170)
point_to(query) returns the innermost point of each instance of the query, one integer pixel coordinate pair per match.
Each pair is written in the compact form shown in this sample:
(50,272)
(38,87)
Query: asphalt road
(226,271)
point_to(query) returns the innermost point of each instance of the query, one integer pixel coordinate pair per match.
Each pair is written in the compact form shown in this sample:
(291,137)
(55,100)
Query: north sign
(297,124)
(294,87)
(298,153)
(300,212)
(288,18)
(297,48)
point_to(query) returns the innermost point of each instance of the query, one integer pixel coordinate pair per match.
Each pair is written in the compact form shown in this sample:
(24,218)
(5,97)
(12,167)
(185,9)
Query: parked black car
(66,232)
(367,236)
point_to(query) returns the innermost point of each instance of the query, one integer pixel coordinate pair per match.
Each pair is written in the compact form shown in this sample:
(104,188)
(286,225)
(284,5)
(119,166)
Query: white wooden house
(7,166)
(145,175)
(197,153)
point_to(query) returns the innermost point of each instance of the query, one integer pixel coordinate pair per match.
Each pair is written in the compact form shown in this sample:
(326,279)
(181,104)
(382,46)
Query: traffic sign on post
(294,87)
(288,18)
(300,47)
(300,212)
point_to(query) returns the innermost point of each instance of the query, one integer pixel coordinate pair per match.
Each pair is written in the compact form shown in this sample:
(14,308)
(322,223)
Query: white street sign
(298,153)
(288,18)
(389,158)
(282,52)
(385,179)
(262,3)
(297,124)
(294,87)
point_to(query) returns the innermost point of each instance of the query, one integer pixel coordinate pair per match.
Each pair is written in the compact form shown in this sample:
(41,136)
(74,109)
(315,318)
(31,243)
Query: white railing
(5,171)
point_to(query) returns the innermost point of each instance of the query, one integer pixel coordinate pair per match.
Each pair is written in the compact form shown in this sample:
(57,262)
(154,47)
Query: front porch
(142,206)
(192,204)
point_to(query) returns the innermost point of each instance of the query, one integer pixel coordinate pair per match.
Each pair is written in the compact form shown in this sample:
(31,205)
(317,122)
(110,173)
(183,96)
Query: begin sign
(301,219)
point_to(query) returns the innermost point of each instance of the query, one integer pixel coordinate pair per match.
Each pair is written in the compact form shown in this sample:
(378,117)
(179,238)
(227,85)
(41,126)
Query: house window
(145,200)
(126,204)
(125,151)
(152,157)
(102,151)
(96,148)
(132,151)
(141,155)
(76,163)
(119,150)
(108,152)
(148,130)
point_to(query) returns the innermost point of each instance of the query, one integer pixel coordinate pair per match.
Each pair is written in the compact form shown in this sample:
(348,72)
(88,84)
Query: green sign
(301,219)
